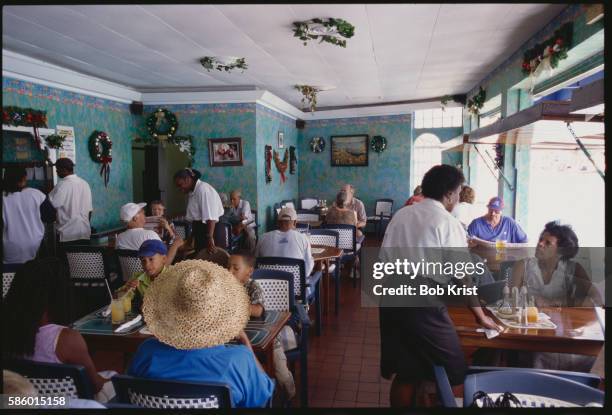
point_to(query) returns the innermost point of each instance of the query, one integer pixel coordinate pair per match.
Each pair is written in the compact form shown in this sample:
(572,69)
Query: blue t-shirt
(233,365)
(507,230)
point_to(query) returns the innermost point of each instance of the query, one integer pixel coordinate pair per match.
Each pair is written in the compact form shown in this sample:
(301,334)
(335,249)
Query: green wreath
(162,124)
(100,147)
(378,143)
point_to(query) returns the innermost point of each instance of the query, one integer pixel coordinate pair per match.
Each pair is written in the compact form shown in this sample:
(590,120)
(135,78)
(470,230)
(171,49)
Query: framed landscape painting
(225,151)
(349,150)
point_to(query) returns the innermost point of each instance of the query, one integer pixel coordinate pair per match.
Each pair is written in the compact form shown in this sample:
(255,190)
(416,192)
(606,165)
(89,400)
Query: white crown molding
(29,69)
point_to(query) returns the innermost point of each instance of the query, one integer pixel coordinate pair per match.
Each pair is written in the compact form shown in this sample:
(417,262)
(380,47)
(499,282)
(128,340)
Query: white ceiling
(399,51)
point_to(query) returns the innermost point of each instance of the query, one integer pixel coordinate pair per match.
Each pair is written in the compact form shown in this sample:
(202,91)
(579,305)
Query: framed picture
(281,140)
(225,151)
(349,150)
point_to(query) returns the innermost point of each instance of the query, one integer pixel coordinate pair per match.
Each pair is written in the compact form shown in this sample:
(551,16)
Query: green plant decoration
(476,103)
(326,30)
(212,62)
(309,96)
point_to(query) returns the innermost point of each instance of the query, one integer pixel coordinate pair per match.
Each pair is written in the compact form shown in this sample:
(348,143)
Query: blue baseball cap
(152,247)
(496,203)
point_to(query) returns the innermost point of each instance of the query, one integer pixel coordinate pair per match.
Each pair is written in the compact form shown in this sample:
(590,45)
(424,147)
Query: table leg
(327,292)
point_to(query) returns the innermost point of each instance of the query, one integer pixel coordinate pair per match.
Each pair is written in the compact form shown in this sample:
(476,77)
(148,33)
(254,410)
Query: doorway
(145,173)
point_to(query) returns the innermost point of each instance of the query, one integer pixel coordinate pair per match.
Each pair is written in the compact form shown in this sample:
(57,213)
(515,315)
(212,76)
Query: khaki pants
(282,373)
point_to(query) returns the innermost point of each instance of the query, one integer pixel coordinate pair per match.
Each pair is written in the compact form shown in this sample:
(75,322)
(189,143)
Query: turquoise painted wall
(205,121)
(86,114)
(269,124)
(386,176)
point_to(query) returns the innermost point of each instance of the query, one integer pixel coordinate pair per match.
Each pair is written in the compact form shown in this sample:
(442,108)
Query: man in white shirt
(134,217)
(242,220)
(72,199)
(204,207)
(415,338)
(286,241)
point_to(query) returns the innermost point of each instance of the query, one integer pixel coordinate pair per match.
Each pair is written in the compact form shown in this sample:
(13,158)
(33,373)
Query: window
(427,153)
(439,118)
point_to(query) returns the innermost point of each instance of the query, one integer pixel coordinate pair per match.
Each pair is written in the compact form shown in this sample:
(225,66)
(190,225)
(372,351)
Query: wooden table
(495,259)
(129,343)
(329,253)
(578,331)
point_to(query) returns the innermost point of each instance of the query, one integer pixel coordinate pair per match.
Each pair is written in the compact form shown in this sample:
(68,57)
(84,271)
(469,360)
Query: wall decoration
(545,56)
(281,140)
(225,151)
(185,145)
(223,63)
(317,144)
(476,103)
(292,160)
(100,149)
(378,143)
(162,124)
(25,117)
(328,30)
(55,141)
(268,153)
(349,150)
(281,166)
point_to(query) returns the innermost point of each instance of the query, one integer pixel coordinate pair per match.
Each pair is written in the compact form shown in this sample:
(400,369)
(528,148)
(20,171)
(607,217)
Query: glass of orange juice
(500,245)
(117,311)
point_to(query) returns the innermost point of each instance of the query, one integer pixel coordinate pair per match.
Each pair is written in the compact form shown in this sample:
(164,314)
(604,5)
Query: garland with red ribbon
(26,117)
(268,164)
(100,149)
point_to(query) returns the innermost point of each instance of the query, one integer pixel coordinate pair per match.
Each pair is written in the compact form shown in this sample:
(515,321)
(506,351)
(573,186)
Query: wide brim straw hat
(196,304)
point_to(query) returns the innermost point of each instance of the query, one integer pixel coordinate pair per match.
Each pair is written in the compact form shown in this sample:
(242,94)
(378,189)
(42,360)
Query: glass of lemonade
(500,245)
(117,311)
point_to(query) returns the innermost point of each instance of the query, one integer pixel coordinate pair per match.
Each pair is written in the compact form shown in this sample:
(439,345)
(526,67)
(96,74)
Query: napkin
(129,324)
(107,311)
(490,333)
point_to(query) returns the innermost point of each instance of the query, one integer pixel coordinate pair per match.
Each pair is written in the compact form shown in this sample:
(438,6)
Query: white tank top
(558,289)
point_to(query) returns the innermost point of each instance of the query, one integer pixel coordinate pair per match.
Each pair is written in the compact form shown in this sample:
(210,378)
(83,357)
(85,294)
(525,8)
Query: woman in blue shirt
(193,309)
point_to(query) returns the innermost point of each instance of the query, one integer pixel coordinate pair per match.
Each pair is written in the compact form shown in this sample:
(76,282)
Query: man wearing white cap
(133,215)
(286,241)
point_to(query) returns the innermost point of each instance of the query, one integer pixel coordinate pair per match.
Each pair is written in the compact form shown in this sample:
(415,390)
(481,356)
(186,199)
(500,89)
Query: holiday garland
(549,52)
(100,150)
(55,141)
(156,121)
(185,145)
(292,160)
(333,27)
(212,62)
(378,143)
(476,103)
(268,150)
(317,144)
(309,96)
(25,117)
(281,166)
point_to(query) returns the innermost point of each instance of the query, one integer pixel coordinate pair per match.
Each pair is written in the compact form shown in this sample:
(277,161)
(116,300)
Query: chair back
(219,257)
(288,203)
(534,384)
(302,227)
(277,287)
(308,203)
(54,378)
(7,280)
(182,228)
(383,207)
(129,263)
(171,394)
(86,262)
(325,237)
(296,267)
(307,216)
(347,240)
(223,235)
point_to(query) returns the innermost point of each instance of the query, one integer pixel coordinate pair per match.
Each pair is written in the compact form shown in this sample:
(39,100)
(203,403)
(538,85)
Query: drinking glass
(117,311)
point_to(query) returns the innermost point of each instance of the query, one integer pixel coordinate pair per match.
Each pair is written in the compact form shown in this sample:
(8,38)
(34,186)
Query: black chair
(171,394)
(347,241)
(54,378)
(302,227)
(225,239)
(309,203)
(129,263)
(575,387)
(182,228)
(383,210)
(491,293)
(278,293)
(306,289)
(89,274)
(7,280)
(327,237)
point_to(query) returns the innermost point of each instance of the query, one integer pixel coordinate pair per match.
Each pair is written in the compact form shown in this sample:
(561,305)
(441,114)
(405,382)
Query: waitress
(204,207)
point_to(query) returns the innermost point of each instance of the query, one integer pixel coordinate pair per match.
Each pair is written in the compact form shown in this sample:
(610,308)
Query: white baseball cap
(129,210)
(287,213)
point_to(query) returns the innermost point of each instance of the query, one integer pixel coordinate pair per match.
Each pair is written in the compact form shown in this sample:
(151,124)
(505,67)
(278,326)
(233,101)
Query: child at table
(34,328)
(241,265)
(152,254)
